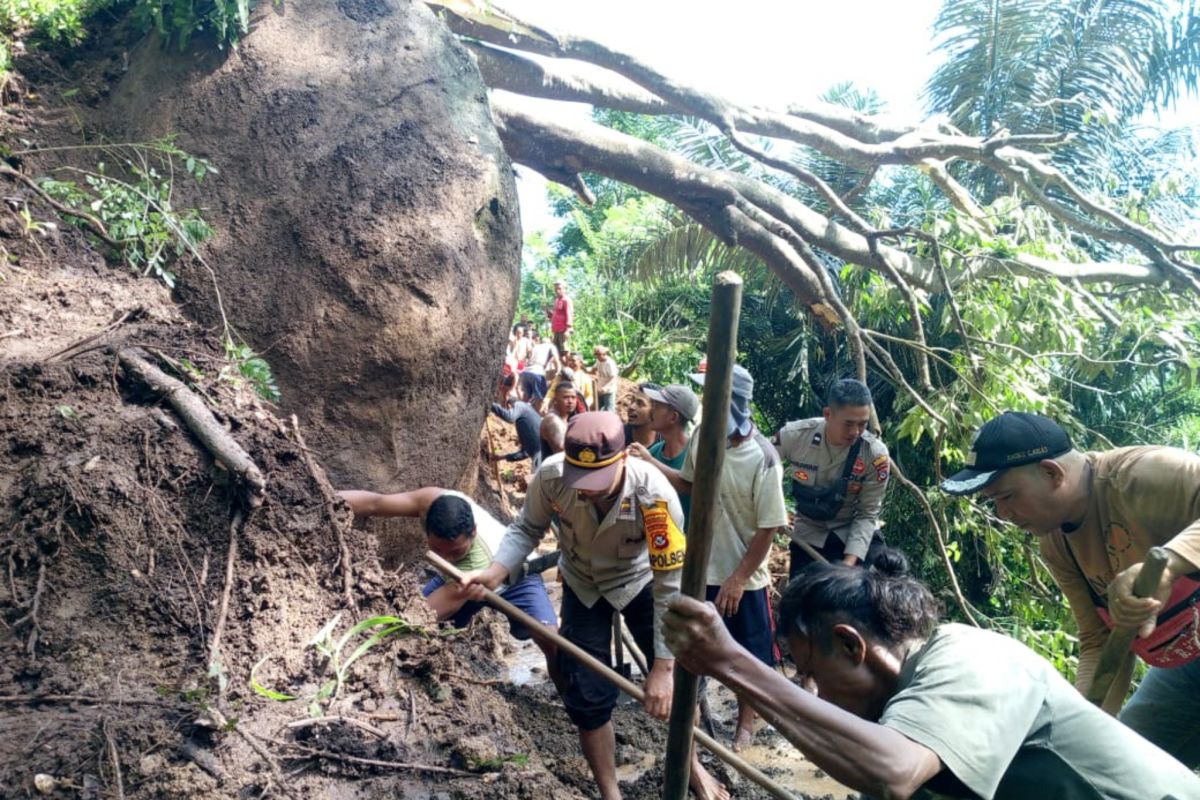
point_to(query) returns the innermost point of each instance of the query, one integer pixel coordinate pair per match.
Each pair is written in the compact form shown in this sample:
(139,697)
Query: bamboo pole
(710,456)
(540,631)
(1117,646)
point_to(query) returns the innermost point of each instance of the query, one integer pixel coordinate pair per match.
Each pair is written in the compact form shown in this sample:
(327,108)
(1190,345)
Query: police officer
(839,473)
(622,548)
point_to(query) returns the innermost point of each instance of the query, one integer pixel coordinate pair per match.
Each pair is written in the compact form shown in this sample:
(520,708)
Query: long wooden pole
(1117,646)
(710,456)
(540,631)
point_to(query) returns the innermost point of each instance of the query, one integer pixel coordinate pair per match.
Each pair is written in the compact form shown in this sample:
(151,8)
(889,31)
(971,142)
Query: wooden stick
(200,422)
(540,631)
(710,457)
(811,551)
(635,652)
(1117,646)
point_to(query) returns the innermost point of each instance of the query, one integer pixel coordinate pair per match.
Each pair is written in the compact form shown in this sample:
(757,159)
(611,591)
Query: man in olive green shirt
(465,534)
(1095,516)
(909,708)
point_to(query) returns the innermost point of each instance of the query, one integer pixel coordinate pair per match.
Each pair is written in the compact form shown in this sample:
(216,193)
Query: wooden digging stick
(1117,646)
(540,631)
(710,456)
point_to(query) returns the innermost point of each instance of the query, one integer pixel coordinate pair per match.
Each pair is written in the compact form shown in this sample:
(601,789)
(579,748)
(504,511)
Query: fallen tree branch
(199,420)
(97,227)
(855,140)
(374,762)
(34,699)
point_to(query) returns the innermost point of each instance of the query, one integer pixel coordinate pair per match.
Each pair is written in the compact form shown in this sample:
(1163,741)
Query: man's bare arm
(400,504)
(865,756)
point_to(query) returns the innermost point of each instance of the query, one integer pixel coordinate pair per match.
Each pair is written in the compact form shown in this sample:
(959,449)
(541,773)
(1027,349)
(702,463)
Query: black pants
(834,550)
(589,698)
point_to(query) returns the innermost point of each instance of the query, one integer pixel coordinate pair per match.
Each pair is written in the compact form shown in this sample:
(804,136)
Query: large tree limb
(849,138)
(200,421)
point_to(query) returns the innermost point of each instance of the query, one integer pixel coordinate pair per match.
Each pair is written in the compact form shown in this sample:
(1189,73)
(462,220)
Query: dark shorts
(753,626)
(533,385)
(589,698)
(529,595)
(834,550)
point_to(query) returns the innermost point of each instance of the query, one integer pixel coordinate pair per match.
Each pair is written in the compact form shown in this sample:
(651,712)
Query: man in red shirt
(561,316)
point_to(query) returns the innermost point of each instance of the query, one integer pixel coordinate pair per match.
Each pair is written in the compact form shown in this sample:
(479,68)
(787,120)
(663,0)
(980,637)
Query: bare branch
(554,80)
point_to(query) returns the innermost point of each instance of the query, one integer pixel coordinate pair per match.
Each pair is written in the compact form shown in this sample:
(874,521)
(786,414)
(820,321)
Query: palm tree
(1088,68)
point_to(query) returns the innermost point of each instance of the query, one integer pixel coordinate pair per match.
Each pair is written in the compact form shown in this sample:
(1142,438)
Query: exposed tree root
(215,663)
(404,766)
(34,605)
(328,500)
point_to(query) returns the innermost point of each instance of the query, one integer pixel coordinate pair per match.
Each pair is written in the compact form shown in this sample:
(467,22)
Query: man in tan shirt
(1095,516)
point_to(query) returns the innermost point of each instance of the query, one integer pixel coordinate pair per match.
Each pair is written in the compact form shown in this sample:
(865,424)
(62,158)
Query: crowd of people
(886,699)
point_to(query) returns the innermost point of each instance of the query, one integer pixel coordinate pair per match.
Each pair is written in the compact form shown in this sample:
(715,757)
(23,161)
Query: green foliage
(177,21)
(1115,364)
(55,21)
(136,209)
(338,663)
(252,368)
(50,20)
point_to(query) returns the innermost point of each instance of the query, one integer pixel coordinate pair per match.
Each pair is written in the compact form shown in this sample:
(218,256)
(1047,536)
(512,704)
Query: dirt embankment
(116,534)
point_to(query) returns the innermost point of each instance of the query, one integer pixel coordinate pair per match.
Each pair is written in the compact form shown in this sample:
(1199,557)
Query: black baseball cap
(592,452)
(1010,440)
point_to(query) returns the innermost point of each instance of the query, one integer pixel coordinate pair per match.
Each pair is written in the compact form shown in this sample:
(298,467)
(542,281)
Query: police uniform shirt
(640,539)
(816,464)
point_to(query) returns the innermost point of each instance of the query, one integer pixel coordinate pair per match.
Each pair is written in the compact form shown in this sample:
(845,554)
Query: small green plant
(147,232)
(337,662)
(178,20)
(253,368)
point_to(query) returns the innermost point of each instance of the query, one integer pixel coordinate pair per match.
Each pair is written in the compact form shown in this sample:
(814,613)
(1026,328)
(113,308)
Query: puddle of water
(628,773)
(526,665)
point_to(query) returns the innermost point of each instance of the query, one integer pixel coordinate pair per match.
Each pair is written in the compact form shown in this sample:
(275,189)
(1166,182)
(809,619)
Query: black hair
(450,517)
(651,385)
(563,386)
(882,601)
(848,392)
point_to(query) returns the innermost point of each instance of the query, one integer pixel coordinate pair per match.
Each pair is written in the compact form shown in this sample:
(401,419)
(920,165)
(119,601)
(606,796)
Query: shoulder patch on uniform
(816,439)
(665,541)
(883,468)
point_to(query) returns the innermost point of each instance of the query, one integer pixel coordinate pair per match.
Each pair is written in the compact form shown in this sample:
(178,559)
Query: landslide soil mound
(116,538)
